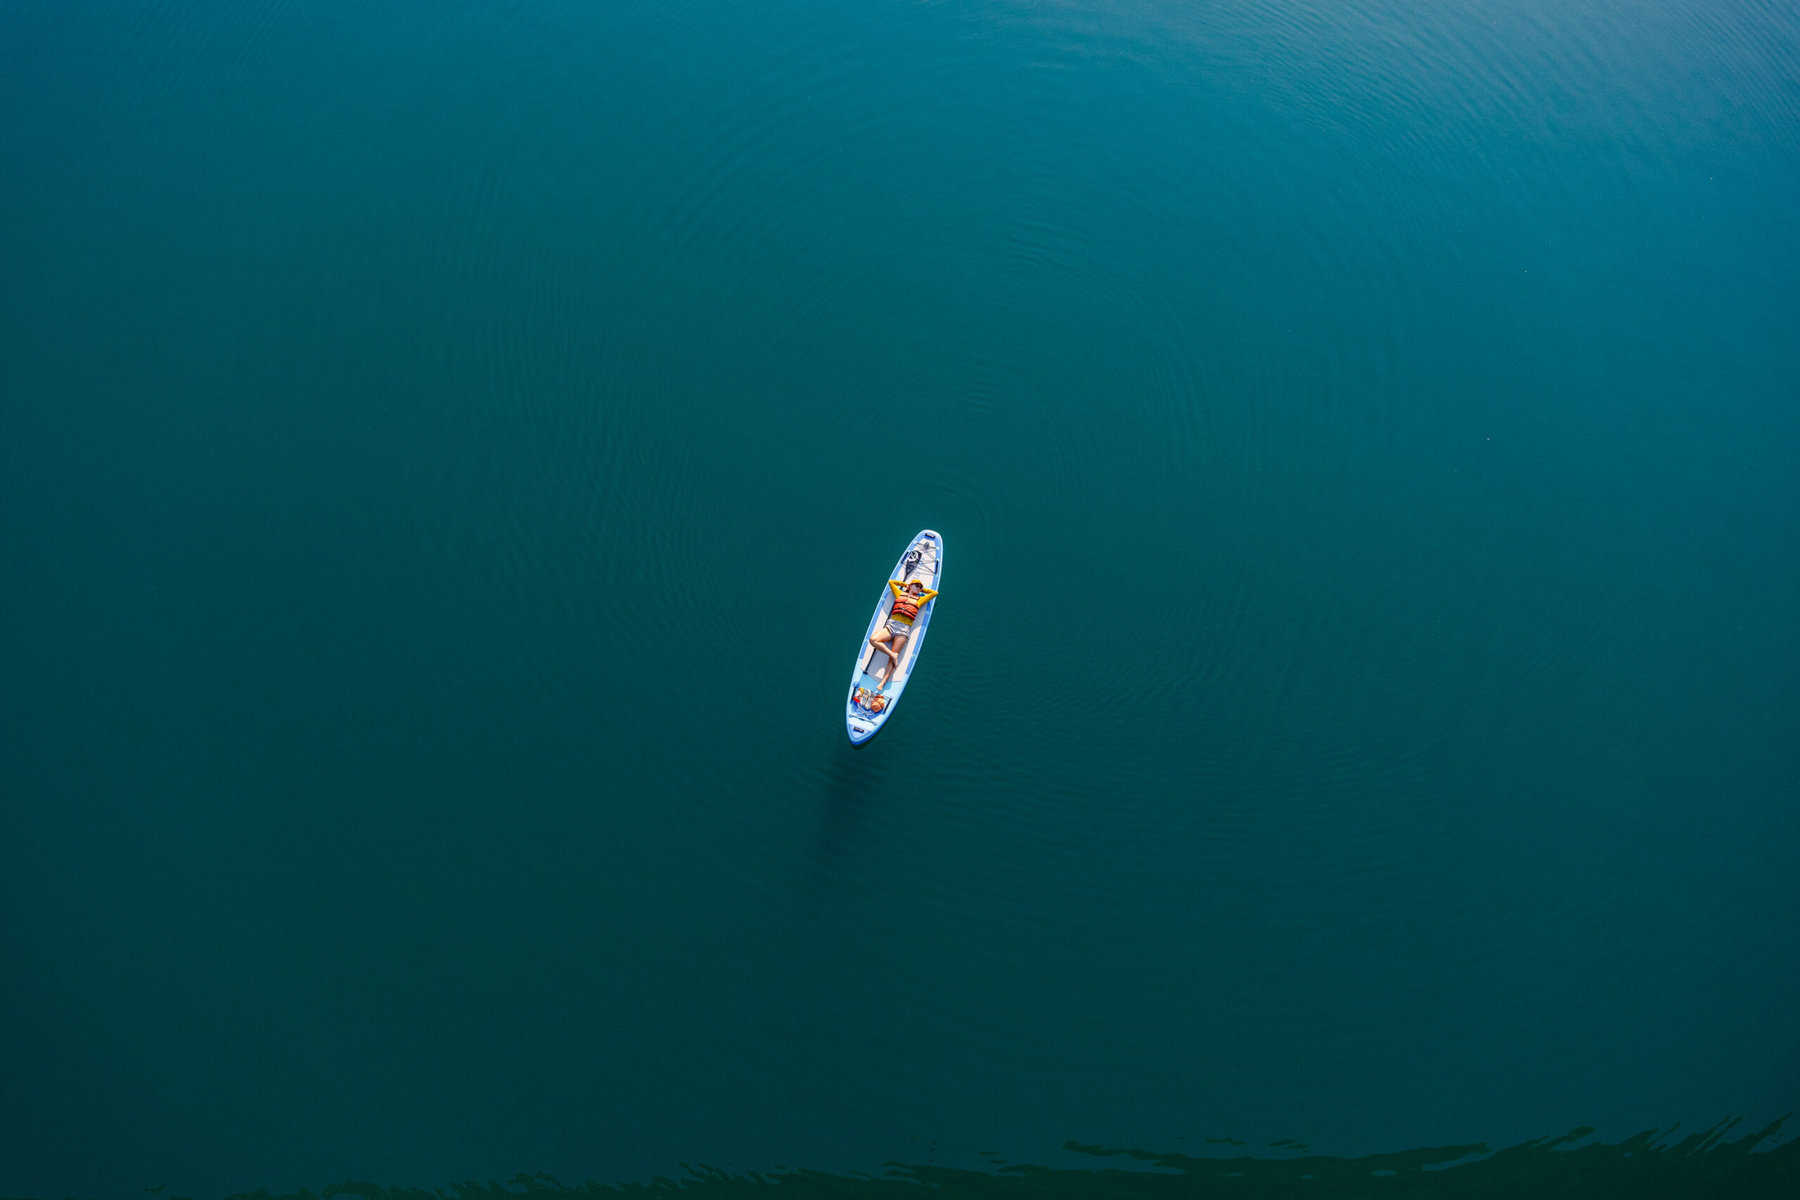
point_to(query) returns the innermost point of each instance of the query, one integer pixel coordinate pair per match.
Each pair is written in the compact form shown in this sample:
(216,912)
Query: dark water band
(1655,1163)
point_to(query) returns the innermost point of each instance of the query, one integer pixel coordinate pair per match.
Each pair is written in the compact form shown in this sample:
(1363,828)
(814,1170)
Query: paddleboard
(873,697)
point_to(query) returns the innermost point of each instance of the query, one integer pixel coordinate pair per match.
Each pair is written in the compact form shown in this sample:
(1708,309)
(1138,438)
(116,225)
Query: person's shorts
(899,628)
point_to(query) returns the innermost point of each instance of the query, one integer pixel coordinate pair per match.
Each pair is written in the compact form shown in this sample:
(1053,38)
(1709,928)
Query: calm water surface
(448,452)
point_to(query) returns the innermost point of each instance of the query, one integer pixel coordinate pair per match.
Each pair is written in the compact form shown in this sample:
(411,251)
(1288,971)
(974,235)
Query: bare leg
(894,654)
(879,639)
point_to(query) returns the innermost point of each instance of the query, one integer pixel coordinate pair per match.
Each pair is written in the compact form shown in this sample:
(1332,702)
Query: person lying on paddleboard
(891,639)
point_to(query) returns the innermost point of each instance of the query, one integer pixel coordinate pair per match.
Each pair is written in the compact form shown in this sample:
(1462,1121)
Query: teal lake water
(448,454)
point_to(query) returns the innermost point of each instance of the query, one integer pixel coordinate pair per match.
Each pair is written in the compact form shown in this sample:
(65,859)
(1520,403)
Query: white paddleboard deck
(869,703)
